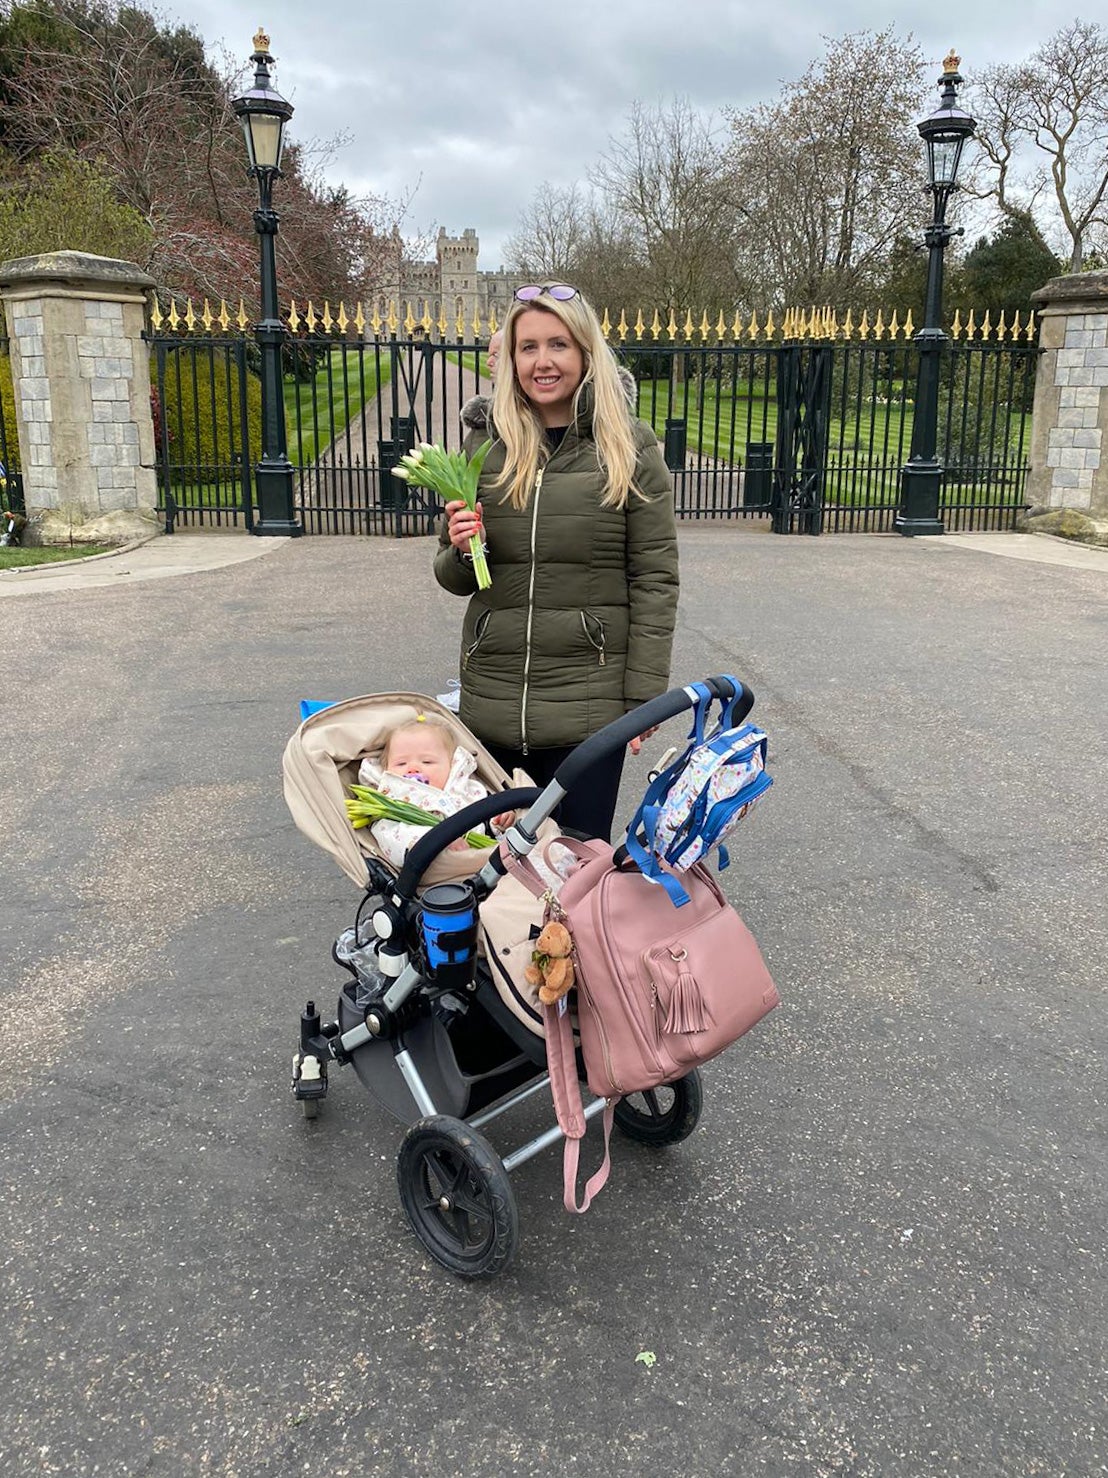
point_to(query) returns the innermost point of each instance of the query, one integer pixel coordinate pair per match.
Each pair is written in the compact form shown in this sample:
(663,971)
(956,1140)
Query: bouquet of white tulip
(452,475)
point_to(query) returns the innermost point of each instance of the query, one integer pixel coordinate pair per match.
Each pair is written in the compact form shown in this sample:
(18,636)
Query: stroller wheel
(663,1115)
(309,1107)
(456,1194)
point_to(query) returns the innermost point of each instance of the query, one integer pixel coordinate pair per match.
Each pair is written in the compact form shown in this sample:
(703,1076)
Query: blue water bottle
(449,925)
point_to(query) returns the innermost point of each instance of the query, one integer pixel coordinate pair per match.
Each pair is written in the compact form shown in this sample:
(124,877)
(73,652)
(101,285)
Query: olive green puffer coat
(578,623)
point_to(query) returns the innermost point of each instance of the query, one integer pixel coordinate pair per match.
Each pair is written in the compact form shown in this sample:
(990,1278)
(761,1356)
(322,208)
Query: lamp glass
(945,152)
(264,139)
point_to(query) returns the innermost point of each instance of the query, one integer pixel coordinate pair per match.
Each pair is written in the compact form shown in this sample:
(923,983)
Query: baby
(421,764)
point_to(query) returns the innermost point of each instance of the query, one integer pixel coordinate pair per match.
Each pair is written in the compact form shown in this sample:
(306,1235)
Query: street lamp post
(263,113)
(945,133)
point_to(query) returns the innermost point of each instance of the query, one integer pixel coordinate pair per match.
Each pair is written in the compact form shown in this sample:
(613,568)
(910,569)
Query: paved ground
(883,1252)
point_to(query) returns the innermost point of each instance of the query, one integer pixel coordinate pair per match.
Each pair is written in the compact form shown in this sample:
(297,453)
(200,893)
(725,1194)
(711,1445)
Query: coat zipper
(478,636)
(598,646)
(530,612)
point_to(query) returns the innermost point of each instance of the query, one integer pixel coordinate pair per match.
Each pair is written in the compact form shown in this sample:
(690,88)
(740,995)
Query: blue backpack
(696,802)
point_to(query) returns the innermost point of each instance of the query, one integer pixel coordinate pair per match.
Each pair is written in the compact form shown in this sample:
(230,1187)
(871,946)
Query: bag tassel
(687,1012)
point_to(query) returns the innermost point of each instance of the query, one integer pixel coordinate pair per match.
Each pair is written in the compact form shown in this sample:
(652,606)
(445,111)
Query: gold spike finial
(909,326)
(294,317)
(359,320)
(640,326)
(621,326)
(605,324)
(769,324)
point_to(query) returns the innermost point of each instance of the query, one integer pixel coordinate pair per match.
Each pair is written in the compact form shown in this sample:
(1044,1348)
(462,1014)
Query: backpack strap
(565,1089)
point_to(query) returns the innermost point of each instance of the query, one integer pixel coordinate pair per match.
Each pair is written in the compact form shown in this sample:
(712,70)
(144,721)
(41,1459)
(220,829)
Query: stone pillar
(1069,465)
(81,373)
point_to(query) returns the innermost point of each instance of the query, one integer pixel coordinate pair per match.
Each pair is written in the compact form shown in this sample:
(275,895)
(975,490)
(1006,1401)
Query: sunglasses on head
(561,292)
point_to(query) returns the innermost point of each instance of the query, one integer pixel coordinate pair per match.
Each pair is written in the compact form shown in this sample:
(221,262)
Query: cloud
(473,108)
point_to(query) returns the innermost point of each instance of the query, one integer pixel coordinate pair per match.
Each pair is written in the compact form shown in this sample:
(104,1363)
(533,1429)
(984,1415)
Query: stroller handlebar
(605,741)
(439,837)
(655,711)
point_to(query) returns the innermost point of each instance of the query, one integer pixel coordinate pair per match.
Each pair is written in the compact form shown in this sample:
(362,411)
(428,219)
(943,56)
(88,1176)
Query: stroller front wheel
(457,1196)
(663,1115)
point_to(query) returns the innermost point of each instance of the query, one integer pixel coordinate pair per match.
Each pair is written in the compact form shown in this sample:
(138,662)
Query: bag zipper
(530,613)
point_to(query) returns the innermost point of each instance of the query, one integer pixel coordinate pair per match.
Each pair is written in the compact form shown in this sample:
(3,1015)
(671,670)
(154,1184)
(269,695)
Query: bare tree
(550,233)
(663,185)
(1042,131)
(829,175)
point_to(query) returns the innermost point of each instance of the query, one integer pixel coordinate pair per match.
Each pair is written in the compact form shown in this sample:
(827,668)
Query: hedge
(200,404)
(7,397)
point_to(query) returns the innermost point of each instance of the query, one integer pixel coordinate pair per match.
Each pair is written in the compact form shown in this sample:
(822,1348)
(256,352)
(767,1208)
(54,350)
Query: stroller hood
(321,762)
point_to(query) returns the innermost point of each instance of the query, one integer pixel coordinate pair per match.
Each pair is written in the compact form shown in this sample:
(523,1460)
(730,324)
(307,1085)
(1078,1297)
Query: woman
(578,521)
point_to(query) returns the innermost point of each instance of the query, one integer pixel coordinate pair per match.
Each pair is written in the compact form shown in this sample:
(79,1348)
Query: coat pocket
(480,632)
(595,635)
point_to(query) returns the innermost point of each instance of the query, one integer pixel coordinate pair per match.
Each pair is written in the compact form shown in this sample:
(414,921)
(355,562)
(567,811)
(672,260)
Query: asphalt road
(883,1251)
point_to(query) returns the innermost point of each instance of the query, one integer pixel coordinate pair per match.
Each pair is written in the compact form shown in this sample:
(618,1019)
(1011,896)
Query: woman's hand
(462,525)
(636,744)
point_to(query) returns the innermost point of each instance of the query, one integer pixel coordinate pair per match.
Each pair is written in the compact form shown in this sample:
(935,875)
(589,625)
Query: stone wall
(80,369)
(1068,467)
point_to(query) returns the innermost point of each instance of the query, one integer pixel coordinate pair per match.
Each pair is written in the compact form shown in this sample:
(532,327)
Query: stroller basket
(428,1024)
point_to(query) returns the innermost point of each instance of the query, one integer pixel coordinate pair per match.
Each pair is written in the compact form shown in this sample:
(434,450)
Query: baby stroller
(433,1018)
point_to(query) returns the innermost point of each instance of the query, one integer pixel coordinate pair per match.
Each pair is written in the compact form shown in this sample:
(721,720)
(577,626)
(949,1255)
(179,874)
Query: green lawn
(20,558)
(472,364)
(319,410)
(721,426)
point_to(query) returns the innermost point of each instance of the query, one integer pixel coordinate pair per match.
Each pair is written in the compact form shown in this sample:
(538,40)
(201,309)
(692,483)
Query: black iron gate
(810,435)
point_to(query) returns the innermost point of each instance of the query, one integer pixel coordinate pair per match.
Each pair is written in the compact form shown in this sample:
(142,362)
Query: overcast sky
(479,111)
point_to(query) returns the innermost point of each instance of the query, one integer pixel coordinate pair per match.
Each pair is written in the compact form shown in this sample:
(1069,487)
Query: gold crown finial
(261,40)
(952,61)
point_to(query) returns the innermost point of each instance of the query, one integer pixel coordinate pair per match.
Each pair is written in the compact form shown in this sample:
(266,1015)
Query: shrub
(7,399)
(201,409)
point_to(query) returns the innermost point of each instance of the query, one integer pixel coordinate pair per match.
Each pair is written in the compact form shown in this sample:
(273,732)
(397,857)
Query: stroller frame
(454,1186)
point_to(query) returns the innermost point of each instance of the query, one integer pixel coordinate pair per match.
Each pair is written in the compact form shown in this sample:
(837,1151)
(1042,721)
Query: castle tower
(457,262)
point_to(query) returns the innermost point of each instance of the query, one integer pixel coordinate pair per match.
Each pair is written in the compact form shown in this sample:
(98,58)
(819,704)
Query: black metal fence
(809,435)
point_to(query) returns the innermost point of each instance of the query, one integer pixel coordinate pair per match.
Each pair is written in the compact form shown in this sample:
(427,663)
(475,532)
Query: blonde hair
(520,429)
(422,721)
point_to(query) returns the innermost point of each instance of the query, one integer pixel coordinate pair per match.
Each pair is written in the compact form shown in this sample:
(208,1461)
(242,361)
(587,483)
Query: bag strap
(523,869)
(566,1092)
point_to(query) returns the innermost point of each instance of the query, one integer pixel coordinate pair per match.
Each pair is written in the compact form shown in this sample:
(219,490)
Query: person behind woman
(577,516)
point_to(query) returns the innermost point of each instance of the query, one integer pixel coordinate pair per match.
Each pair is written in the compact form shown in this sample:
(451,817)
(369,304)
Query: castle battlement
(452,284)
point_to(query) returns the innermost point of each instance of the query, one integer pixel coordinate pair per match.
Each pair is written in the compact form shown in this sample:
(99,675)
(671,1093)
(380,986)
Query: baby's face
(421,753)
